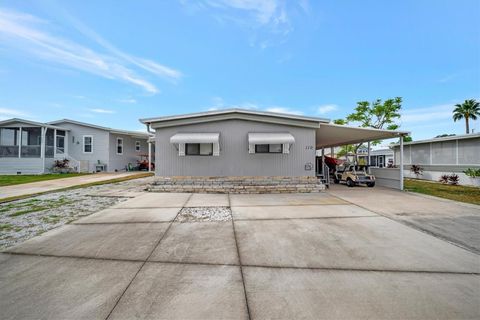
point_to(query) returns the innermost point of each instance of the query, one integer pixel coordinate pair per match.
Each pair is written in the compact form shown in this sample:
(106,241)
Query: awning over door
(195,138)
(270,138)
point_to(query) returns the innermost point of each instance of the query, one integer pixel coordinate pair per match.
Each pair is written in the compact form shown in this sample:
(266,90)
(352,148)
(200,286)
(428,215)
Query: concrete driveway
(19,190)
(287,256)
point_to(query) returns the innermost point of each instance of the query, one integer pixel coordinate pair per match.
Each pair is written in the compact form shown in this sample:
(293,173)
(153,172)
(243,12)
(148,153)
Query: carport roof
(333,135)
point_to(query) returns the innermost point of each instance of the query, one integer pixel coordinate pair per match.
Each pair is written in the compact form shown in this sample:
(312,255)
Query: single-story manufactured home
(29,147)
(443,155)
(241,149)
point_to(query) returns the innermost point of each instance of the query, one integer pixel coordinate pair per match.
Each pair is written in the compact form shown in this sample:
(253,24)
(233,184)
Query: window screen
(444,152)
(199,149)
(119,146)
(87,144)
(268,148)
(275,148)
(468,151)
(420,153)
(261,148)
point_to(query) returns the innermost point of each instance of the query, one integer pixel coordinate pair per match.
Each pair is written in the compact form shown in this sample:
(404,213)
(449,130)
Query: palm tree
(470,109)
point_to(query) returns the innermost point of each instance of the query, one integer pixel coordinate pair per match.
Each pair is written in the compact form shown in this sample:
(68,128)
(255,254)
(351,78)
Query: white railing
(326,174)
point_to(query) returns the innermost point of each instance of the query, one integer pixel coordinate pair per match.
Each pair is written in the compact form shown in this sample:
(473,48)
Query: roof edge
(112,130)
(231,111)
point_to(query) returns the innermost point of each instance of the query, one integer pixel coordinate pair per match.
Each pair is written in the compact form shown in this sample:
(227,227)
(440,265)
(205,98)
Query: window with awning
(269,142)
(201,144)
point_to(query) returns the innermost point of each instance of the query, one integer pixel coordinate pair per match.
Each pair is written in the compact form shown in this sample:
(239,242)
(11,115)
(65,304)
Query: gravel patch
(204,214)
(23,219)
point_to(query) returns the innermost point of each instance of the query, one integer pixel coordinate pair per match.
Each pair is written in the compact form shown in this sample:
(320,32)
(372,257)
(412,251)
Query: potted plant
(474,175)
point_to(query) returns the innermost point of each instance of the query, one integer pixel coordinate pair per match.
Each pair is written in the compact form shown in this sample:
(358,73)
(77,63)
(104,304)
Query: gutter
(148,128)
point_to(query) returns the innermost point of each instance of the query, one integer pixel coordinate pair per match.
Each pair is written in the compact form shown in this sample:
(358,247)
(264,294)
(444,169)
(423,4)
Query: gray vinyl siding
(100,146)
(119,162)
(234,159)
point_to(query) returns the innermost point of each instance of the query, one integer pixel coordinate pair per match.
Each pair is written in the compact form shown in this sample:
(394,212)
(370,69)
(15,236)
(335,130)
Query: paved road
(56,184)
(308,256)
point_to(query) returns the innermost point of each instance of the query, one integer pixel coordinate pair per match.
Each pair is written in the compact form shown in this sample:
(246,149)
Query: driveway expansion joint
(308,218)
(239,261)
(144,262)
(245,265)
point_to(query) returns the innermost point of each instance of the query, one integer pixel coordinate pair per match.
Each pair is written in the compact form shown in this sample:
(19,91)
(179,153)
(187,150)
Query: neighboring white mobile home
(28,147)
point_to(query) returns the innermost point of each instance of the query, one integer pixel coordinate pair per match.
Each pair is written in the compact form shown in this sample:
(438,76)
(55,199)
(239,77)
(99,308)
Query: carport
(332,135)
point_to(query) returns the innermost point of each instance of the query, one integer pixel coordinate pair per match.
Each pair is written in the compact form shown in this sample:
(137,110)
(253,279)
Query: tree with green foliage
(470,109)
(376,114)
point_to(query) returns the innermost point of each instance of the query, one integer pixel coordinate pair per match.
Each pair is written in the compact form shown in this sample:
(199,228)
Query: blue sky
(113,62)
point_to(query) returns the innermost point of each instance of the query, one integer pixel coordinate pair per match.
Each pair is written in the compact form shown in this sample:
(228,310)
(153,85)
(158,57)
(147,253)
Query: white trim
(456,152)
(43,134)
(54,143)
(431,154)
(83,143)
(117,145)
(401,163)
(149,156)
(19,140)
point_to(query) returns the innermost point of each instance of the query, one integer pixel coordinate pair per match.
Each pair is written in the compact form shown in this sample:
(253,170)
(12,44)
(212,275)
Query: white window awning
(270,138)
(195,138)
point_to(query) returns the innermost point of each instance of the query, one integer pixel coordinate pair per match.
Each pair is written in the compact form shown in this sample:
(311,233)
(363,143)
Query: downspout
(401,162)
(149,148)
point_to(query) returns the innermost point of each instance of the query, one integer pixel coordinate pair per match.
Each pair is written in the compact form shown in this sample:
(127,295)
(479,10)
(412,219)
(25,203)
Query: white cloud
(284,110)
(27,33)
(218,103)
(326,108)
(11,113)
(98,110)
(428,114)
(146,64)
(264,11)
(271,16)
(128,100)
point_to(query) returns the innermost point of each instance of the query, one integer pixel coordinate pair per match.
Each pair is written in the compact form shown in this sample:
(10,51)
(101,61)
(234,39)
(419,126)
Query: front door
(60,144)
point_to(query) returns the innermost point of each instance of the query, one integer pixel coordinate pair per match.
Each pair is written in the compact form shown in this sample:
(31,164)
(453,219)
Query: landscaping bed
(23,219)
(204,214)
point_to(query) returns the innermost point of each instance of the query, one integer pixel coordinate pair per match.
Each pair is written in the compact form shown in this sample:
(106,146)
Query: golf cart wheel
(371,184)
(336,181)
(350,183)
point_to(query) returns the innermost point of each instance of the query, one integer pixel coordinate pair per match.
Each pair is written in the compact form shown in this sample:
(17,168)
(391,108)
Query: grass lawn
(457,193)
(9,180)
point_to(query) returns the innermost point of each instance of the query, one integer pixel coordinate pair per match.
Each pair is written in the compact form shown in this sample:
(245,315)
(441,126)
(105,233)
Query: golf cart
(353,175)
